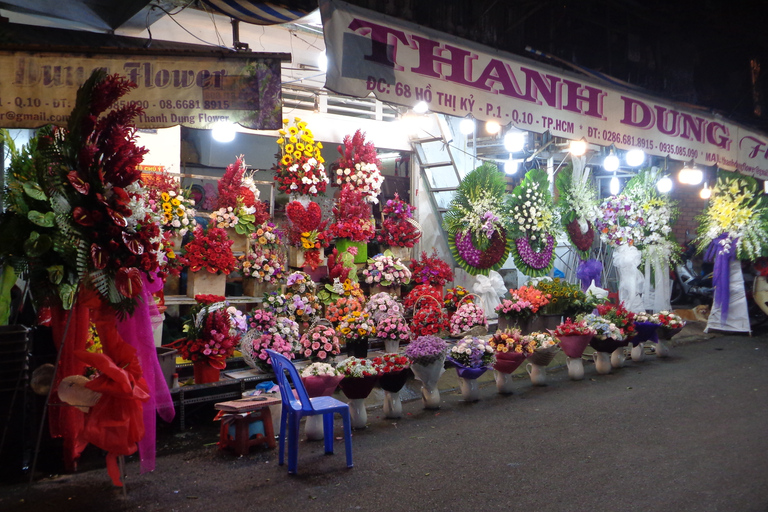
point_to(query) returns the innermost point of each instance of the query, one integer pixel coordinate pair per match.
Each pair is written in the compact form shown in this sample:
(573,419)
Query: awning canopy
(256,12)
(403,63)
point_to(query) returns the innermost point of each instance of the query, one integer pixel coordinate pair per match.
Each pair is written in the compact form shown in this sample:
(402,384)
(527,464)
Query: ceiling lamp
(635,157)
(514,141)
(467,126)
(690,174)
(511,166)
(223,132)
(664,185)
(578,147)
(611,162)
(492,127)
(421,107)
(706,192)
(614,186)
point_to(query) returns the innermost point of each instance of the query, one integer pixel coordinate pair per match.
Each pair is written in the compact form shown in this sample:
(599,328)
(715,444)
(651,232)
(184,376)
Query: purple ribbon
(588,271)
(721,274)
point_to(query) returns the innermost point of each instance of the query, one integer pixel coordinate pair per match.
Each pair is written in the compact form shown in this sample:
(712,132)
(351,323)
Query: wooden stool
(244,412)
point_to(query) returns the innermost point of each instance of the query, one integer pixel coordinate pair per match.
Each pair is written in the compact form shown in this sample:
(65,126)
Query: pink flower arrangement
(394,327)
(319,343)
(272,342)
(382,304)
(386,270)
(571,328)
(466,317)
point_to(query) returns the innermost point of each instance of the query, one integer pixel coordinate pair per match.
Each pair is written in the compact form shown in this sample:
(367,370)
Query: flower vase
(205,373)
(203,282)
(358,348)
(618,357)
(342,244)
(575,368)
(391,346)
(392,290)
(358,414)
(392,383)
(506,363)
(318,385)
(638,352)
(602,362)
(470,389)
(537,373)
(240,240)
(429,375)
(357,389)
(661,349)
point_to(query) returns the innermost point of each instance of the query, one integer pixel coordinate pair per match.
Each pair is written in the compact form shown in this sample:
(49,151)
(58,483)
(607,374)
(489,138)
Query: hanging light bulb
(611,162)
(514,141)
(467,126)
(511,166)
(578,147)
(223,132)
(614,186)
(421,107)
(706,192)
(492,127)
(635,157)
(690,175)
(664,185)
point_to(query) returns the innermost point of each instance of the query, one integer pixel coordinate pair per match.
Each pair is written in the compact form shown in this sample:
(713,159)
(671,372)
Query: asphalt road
(684,433)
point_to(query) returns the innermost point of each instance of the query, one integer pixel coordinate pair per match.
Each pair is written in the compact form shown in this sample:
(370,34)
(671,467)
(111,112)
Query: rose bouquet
(319,370)
(259,343)
(431,270)
(356,368)
(386,270)
(426,349)
(260,320)
(320,379)
(394,327)
(358,167)
(416,295)
(467,318)
(352,217)
(383,304)
(357,326)
(523,303)
(319,343)
(390,363)
(209,334)
(398,229)
(429,319)
(510,341)
(619,316)
(472,352)
(341,307)
(669,320)
(577,328)
(300,168)
(211,250)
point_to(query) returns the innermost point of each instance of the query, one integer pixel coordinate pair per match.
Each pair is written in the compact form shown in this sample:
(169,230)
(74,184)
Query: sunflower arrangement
(300,168)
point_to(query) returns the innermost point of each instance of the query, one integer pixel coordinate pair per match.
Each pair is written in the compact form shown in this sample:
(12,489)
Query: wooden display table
(242,413)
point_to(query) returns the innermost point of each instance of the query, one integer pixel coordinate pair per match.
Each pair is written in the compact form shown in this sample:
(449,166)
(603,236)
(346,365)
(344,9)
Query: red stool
(257,409)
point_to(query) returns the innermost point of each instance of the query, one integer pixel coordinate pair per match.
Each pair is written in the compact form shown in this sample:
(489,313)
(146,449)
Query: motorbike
(687,286)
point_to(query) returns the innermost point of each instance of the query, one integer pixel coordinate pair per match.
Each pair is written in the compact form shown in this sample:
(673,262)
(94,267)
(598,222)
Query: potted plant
(511,350)
(385,272)
(574,337)
(472,357)
(352,224)
(394,330)
(209,250)
(543,348)
(299,170)
(360,375)
(393,374)
(356,328)
(427,355)
(399,231)
(209,338)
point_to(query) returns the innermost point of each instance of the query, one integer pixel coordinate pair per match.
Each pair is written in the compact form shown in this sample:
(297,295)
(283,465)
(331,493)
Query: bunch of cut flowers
(209,334)
(604,328)
(383,304)
(210,249)
(453,296)
(353,367)
(266,264)
(398,229)
(620,316)
(319,343)
(319,370)
(564,297)
(540,341)
(523,303)
(578,328)
(238,205)
(260,320)
(426,349)
(394,327)
(288,329)
(429,319)
(669,320)
(510,341)
(352,217)
(386,270)
(357,325)
(307,231)
(431,270)
(299,168)
(390,363)
(417,297)
(468,316)
(472,352)
(272,341)
(341,307)
(358,167)
(175,207)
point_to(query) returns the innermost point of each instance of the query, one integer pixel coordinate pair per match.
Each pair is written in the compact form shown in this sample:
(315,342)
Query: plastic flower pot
(574,346)
(358,348)
(205,373)
(392,383)
(342,244)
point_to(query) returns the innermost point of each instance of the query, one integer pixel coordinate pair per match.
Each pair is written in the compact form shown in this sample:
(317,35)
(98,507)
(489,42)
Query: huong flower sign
(403,63)
(194,90)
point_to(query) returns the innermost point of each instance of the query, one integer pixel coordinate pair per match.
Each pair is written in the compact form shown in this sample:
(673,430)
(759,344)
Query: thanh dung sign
(403,63)
(198,91)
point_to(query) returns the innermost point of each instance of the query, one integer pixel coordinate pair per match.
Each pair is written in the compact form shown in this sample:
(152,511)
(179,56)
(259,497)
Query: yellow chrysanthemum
(289,148)
(165,196)
(287,159)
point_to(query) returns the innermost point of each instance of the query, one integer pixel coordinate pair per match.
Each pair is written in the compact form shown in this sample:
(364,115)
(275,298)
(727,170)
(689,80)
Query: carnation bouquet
(476,220)
(577,205)
(390,363)
(472,352)
(533,224)
(398,227)
(425,350)
(383,304)
(299,169)
(386,270)
(431,270)
(208,334)
(319,343)
(211,250)
(469,318)
(358,167)
(394,327)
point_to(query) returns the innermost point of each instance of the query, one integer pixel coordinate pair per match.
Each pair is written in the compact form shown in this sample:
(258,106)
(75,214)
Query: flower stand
(362,248)
(574,347)
(357,389)
(403,253)
(638,352)
(391,346)
(318,385)
(575,368)
(618,357)
(205,373)
(296,257)
(602,362)
(252,287)
(505,364)
(240,240)
(661,349)
(358,348)
(429,375)
(392,383)
(205,283)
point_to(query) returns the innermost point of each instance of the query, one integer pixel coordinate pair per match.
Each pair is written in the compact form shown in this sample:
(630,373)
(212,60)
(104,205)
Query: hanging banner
(197,91)
(403,63)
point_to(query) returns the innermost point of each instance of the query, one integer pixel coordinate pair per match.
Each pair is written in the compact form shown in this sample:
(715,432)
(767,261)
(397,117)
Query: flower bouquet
(544,346)
(237,206)
(476,219)
(353,224)
(469,320)
(430,318)
(356,328)
(341,307)
(472,357)
(646,326)
(384,270)
(620,317)
(510,354)
(307,233)
(669,324)
(300,168)
(574,337)
(564,298)
(523,304)
(427,355)
(358,167)
(265,262)
(176,208)
(319,343)
(398,227)
(383,304)
(394,330)
(209,250)
(431,271)
(577,205)
(209,338)
(254,344)
(393,374)
(420,291)
(360,375)
(453,296)
(320,379)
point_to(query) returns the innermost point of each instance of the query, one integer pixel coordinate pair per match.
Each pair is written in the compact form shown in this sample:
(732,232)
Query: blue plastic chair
(295,408)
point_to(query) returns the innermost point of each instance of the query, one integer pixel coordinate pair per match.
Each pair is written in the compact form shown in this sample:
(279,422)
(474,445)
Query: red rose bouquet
(431,270)
(300,168)
(571,328)
(398,229)
(620,316)
(358,167)
(209,334)
(211,250)
(429,320)
(352,217)
(418,292)
(391,363)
